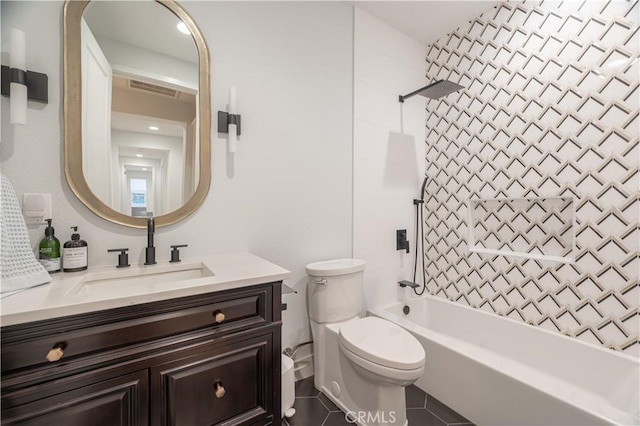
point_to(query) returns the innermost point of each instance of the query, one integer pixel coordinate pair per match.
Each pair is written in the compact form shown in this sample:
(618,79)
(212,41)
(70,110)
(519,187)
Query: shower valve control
(401,240)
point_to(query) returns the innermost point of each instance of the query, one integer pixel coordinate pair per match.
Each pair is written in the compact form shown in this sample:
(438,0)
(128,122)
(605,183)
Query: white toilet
(361,364)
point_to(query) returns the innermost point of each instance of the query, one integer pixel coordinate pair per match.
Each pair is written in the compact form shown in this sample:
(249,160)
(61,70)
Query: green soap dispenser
(75,253)
(49,250)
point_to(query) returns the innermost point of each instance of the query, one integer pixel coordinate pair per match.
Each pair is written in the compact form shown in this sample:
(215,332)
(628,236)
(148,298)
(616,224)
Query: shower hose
(419,241)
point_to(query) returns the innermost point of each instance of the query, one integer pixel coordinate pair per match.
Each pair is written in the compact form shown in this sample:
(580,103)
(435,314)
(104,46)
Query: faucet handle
(123,257)
(175,253)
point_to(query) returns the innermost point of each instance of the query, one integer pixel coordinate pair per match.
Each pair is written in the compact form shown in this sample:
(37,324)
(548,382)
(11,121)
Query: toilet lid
(330,268)
(382,342)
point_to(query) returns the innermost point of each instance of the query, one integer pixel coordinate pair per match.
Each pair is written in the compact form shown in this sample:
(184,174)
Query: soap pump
(75,253)
(49,250)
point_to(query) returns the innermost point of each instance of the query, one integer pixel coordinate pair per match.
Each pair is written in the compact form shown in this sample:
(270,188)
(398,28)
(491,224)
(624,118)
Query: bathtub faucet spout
(405,283)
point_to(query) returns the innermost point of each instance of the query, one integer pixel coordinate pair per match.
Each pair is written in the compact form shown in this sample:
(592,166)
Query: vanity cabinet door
(225,385)
(122,400)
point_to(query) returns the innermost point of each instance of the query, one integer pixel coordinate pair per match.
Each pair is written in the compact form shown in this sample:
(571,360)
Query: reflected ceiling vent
(153,88)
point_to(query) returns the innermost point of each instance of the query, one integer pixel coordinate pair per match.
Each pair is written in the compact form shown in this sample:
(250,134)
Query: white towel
(19,268)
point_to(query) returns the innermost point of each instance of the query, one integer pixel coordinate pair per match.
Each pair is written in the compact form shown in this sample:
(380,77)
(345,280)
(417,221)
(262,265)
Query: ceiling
(141,124)
(426,21)
(144,23)
(151,26)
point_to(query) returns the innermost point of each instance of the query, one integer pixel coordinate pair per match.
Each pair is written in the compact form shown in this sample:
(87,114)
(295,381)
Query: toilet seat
(383,344)
(380,373)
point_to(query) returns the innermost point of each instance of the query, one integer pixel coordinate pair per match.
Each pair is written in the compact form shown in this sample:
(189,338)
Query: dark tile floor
(313,408)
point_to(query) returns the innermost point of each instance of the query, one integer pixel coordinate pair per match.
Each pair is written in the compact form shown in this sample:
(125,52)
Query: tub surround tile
(539,117)
(388,158)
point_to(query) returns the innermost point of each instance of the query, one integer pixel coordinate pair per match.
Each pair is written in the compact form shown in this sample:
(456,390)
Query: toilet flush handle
(321,281)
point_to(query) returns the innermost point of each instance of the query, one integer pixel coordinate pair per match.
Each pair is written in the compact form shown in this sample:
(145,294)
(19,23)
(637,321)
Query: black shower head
(434,90)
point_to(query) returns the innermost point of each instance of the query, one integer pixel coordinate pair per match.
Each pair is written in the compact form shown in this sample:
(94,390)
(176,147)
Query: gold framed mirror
(120,81)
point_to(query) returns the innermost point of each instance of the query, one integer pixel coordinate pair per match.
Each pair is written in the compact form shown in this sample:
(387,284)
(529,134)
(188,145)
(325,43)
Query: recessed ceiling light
(144,169)
(138,155)
(154,128)
(183,28)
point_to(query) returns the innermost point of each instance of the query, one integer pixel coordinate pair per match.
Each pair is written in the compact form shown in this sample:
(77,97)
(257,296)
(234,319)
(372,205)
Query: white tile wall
(388,152)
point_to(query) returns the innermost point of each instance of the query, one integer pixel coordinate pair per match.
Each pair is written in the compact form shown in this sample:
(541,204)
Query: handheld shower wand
(418,243)
(418,202)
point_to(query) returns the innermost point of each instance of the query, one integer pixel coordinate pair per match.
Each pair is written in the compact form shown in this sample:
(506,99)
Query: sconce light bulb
(17,60)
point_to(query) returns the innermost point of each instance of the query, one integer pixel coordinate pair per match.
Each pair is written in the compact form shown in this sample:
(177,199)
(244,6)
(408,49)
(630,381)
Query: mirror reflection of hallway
(140,94)
(134,146)
(138,196)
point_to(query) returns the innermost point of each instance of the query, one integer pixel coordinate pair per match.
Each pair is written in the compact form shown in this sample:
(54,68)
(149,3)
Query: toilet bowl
(382,352)
(361,363)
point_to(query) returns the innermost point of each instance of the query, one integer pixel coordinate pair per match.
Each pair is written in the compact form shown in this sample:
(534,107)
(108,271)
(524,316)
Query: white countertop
(108,287)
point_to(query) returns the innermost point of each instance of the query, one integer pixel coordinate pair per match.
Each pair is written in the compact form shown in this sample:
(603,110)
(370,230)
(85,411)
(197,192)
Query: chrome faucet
(150,251)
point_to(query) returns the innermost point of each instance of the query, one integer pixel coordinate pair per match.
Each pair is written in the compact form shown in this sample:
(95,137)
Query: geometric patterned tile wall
(549,109)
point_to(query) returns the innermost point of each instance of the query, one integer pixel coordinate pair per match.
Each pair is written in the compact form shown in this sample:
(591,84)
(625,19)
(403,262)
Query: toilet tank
(335,289)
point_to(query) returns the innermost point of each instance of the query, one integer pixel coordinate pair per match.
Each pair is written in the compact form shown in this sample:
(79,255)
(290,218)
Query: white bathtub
(497,371)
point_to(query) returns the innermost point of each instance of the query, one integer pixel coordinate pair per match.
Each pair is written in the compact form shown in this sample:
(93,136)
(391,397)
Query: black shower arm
(415,92)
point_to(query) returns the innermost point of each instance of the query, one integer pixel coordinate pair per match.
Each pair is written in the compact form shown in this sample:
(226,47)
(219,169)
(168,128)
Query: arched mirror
(137,111)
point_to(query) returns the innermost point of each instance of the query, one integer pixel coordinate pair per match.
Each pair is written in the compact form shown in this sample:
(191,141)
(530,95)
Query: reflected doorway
(139,197)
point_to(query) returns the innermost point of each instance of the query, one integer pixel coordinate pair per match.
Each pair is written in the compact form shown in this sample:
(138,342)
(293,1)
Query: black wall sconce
(225,118)
(18,83)
(229,122)
(37,83)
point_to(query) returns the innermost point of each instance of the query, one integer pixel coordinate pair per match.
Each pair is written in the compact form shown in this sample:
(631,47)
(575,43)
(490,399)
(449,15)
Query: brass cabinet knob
(218,316)
(219,389)
(55,353)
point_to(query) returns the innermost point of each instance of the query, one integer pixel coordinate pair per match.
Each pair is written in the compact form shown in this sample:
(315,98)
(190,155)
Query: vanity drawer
(105,398)
(224,385)
(226,315)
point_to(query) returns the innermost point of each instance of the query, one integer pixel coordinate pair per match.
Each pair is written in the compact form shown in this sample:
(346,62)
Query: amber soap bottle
(75,253)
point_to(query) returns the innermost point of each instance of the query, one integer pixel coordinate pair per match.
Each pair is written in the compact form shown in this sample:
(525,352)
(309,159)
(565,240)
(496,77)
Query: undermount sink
(132,281)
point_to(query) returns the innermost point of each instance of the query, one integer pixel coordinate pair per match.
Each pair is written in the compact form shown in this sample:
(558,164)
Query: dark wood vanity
(206,359)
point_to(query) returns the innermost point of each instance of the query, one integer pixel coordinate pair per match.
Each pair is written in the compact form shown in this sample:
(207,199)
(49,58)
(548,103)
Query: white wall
(286,195)
(388,153)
